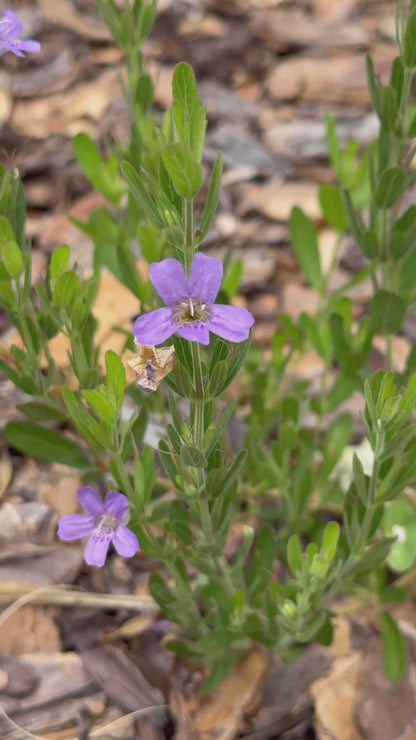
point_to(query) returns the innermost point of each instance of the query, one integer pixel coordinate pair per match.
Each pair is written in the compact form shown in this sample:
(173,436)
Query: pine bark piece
(121,680)
(220,715)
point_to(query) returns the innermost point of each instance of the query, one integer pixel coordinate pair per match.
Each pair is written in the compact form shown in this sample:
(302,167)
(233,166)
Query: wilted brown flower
(151,365)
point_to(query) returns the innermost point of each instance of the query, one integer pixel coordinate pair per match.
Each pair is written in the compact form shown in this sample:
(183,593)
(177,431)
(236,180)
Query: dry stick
(62,595)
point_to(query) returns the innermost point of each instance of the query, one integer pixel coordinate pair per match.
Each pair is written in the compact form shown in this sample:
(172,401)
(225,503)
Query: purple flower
(10,27)
(103,523)
(191,311)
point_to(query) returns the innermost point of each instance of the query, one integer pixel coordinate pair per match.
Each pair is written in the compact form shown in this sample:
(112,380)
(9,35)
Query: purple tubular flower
(103,522)
(10,27)
(190,310)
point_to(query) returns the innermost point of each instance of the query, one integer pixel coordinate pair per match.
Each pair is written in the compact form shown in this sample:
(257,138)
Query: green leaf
(174,235)
(335,441)
(320,564)
(342,388)
(216,677)
(144,92)
(409,41)
(408,398)
(388,108)
(360,481)
(59,261)
(294,554)
(371,83)
(352,219)
(141,195)
(184,88)
(168,461)
(46,444)
(102,175)
(305,246)
(180,381)
(40,411)
(387,312)
(199,125)
(160,592)
(116,377)
(369,245)
(12,258)
(393,648)
(397,76)
(211,202)
(332,206)
(218,378)
(263,558)
(101,405)
(179,521)
(183,170)
(325,634)
(192,457)
(330,539)
(65,289)
(219,427)
(182,649)
(390,187)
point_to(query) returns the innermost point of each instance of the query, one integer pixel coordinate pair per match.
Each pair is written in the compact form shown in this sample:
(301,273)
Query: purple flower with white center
(10,27)
(190,310)
(103,522)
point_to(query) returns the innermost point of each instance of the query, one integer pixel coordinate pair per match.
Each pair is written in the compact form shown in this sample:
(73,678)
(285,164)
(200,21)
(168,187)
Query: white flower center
(189,311)
(106,523)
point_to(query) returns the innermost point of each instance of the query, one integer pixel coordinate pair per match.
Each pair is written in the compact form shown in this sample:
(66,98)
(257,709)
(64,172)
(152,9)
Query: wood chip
(219,716)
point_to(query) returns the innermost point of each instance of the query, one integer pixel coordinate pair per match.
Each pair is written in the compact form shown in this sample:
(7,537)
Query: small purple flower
(104,522)
(191,311)
(10,27)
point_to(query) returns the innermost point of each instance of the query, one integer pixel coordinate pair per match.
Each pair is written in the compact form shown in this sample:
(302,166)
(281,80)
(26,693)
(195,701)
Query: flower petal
(75,526)
(90,500)
(230,322)
(10,25)
(116,504)
(6,45)
(125,542)
(205,277)
(96,549)
(169,279)
(197,332)
(28,45)
(154,327)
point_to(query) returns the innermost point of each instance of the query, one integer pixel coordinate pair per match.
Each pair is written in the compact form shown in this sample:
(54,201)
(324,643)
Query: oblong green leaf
(390,187)
(212,198)
(305,246)
(387,311)
(393,648)
(332,205)
(46,444)
(183,170)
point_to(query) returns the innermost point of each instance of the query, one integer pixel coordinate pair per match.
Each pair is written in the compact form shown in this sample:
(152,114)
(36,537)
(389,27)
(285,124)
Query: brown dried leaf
(220,715)
(336,698)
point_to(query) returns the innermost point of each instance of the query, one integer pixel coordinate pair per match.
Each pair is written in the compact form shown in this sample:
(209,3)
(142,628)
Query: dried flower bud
(151,365)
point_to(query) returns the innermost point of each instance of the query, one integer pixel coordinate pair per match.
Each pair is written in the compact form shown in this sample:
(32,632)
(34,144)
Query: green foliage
(46,444)
(394,653)
(328,519)
(305,245)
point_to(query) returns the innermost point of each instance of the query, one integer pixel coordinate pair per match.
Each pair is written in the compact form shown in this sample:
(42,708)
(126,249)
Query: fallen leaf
(336,696)
(219,716)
